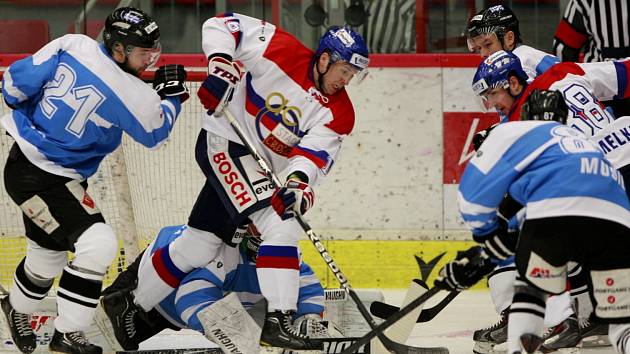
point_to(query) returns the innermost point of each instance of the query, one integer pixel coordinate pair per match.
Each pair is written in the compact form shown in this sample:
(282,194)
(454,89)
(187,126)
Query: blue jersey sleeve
(25,78)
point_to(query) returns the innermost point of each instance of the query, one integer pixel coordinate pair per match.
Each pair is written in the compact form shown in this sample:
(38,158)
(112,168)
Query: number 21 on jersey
(83,100)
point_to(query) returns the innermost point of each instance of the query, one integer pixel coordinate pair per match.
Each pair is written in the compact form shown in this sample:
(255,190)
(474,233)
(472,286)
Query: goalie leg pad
(227,323)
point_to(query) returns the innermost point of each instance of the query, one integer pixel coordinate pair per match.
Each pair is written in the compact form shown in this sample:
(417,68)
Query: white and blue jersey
(72,102)
(534,61)
(230,271)
(551,169)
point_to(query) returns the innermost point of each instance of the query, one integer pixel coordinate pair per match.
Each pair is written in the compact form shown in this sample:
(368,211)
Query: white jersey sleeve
(534,61)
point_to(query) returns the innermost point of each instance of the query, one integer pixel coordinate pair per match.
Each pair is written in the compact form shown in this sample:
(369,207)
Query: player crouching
(571,193)
(213,299)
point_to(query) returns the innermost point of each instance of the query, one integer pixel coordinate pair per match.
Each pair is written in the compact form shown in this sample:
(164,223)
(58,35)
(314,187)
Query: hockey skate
(20,325)
(279,333)
(121,309)
(72,342)
(531,342)
(487,338)
(593,334)
(563,337)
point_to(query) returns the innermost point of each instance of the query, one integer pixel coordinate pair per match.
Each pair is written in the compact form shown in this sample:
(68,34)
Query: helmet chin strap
(320,77)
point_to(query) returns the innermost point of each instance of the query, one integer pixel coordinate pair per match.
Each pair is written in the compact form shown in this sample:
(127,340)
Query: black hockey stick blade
(398,348)
(383,310)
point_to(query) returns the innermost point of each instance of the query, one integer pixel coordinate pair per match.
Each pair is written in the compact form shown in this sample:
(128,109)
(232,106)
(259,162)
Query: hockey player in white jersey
(502,83)
(233,270)
(497,28)
(71,102)
(293,106)
(571,193)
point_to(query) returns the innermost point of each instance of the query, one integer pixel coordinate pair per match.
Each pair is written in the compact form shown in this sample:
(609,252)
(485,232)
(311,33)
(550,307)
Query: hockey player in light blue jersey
(576,210)
(71,102)
(234,270)
(494,29)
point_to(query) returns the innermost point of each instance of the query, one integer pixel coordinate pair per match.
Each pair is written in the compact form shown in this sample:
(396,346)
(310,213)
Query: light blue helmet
(342,43)
(496,70)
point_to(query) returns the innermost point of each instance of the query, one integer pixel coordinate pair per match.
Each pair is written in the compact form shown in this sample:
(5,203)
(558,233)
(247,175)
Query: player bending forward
(292,105)
(577,210)
(232,271)
(72,101)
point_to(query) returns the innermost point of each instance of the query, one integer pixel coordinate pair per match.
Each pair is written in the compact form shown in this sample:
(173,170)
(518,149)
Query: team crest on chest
(278,124)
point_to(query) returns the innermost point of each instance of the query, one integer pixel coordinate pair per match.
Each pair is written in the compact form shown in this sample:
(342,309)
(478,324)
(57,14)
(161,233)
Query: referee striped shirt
(599,27)
(391,26)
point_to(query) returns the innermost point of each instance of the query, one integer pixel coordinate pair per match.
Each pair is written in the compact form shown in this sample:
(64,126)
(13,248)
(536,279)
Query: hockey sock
(278,273)
(578,281)
(29,289)
(77,297)
(526,315)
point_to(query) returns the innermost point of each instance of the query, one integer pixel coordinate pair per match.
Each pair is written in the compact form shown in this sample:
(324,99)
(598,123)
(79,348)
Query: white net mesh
(162,186)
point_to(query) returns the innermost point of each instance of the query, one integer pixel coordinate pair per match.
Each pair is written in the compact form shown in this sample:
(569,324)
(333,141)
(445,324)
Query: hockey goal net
(138,190)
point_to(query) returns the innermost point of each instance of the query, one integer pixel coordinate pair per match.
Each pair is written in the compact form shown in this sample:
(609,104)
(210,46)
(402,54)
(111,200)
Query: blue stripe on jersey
(203,274)
(167,305)
(165,258)
(37,76)
(550,163)
(622,81)
(243,279)
(167,235)
(547,62)
(78,119)
(278,251)
(309,291)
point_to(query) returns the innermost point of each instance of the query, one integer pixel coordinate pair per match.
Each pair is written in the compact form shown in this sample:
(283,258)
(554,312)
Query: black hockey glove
(466,270)
(170,80)
(499,244)
(545,105)
(481,136)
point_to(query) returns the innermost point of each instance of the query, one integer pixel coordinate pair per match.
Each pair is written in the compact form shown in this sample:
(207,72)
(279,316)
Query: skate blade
(595,341)
(489,348)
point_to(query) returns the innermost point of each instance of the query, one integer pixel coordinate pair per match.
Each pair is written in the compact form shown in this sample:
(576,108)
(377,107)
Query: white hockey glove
(294,198)
(466,270)
(217,89)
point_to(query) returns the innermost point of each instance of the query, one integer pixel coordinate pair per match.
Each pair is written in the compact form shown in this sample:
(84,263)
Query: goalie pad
(101,332)
(227,324)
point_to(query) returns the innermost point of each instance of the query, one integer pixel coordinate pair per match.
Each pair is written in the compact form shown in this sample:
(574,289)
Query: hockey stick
(392,346)
(384,310)
(3,291)
(378,330)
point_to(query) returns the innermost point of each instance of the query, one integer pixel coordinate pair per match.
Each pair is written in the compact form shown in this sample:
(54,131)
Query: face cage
(482,99)
(497,31)
(154,54)
(359,75)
